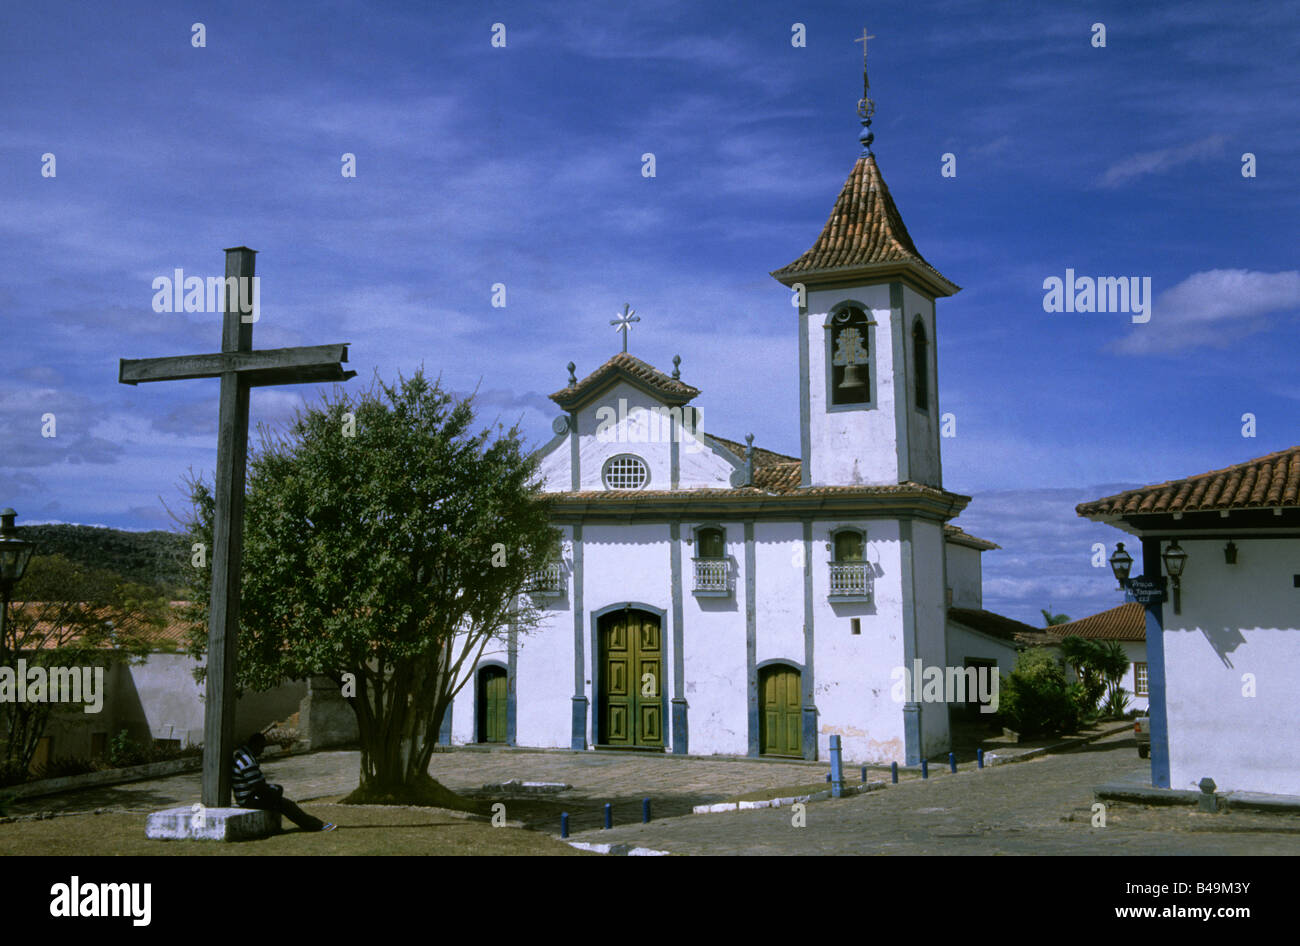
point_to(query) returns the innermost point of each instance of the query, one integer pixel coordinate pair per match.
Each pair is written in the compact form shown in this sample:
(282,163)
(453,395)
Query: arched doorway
(491,704)
(630,704)
(780,720)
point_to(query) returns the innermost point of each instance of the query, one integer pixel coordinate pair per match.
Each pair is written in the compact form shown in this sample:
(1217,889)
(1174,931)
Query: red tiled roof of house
(634,369)
(957,534)
(865,229)
(1269,481)
(170,637)
(997,625)
(1127,622)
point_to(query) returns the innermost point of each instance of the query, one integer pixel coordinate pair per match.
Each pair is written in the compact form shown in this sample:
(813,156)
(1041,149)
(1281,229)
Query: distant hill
(153,558)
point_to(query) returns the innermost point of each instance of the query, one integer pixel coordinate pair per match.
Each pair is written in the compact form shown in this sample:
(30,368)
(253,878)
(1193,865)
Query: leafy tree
(386,551)
(1034,698)
(1051,620)
(67,615)
(1112,664)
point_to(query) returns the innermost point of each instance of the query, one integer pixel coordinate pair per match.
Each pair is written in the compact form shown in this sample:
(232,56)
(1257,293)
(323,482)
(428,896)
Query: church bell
(851,378)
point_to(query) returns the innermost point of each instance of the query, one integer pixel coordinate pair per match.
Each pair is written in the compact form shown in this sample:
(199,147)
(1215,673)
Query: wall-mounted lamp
(1175,558)
(1230,553)
(1121,563)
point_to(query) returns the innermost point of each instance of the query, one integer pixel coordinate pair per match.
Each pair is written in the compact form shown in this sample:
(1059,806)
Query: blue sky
(522,165)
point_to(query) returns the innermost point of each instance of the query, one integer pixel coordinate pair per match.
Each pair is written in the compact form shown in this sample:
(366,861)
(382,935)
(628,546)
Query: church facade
(712,597)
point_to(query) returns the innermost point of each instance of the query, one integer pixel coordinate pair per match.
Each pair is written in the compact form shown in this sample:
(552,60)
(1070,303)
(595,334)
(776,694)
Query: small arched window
(848,546)
(850,356)
(921,366)
(709,544)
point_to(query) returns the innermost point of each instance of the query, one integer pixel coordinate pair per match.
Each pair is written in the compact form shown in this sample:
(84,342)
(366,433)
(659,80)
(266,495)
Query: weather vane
(866,107)
(624,322)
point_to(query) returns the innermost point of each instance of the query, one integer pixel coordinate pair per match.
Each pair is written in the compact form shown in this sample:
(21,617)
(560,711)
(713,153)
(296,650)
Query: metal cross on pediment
(239,368)
(624,322)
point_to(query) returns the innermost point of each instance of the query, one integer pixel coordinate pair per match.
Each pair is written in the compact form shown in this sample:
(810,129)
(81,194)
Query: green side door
(492,686)
(781,718)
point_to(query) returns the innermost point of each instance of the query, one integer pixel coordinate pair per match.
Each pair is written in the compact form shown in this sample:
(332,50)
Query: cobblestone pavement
(1041,806)
(1036,807)
(676,784)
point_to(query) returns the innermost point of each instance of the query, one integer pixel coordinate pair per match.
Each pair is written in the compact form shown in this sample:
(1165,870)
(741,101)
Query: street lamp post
(15,553)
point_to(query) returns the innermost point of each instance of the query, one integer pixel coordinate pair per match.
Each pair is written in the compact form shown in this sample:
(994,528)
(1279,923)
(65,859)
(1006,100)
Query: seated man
(253,791)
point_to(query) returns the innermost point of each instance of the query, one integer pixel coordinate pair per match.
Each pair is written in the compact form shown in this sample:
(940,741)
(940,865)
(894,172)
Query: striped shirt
(248,780)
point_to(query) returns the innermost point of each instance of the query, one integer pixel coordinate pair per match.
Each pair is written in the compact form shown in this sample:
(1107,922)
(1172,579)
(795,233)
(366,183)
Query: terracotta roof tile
(1269,481)
(634,369)
(1127,622)
(997,625)
(957,534)
(864,228)
(169,637)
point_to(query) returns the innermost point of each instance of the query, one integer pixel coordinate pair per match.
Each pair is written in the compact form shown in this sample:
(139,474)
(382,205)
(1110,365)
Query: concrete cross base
(211,824)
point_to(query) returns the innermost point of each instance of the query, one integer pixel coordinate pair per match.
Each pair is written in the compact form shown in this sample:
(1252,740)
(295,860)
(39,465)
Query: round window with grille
(625,472)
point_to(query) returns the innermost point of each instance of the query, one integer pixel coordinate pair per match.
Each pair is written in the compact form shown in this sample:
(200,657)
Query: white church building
(712,597)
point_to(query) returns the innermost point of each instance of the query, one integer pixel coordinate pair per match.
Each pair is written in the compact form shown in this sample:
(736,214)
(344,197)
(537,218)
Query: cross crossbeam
(240,369)
(255,368)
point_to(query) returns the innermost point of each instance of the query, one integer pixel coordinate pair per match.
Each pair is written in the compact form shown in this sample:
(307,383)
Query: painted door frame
(478,695)
(758,679)
(595,665)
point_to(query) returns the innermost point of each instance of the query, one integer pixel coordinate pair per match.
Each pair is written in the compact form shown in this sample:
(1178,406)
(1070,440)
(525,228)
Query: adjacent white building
(711,597)
(1223,648)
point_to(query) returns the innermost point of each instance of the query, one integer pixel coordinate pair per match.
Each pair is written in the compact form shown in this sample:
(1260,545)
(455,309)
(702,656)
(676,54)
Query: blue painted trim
(575,470)
(1157,708)
(551,444)
(444,730)
(805,401)
(898,331)
(674,452)
(596,668)
(873,363)
(680,740)
(809,703)
(737,463)
(512,677)
(578,740)
(907,584)
(751,640)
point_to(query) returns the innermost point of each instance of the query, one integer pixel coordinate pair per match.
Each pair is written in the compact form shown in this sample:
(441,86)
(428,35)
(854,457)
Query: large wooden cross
(239,368)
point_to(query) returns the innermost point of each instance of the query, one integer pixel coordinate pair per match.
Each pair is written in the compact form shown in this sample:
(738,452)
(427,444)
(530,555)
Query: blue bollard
(564,824)
(925,768)
(609,815)
(952,762)
(979,758)
(893,772)
(645,811)
(836,775)
(864,775)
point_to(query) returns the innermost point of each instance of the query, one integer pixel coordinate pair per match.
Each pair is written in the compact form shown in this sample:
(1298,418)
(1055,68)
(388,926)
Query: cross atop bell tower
(868,405)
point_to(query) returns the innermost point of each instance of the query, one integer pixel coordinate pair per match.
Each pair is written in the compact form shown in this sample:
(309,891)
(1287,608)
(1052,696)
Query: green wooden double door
(631,700)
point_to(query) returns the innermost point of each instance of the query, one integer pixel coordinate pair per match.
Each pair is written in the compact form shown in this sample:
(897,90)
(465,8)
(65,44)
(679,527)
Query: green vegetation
(71,616)
(385,546)
(156,559)
(1035,699)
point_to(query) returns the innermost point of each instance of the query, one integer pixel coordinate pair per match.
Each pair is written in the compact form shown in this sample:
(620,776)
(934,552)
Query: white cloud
(1154,162)
(1213,308)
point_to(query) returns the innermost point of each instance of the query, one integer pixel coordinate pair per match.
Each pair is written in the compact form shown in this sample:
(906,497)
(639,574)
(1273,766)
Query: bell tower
(868,400)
